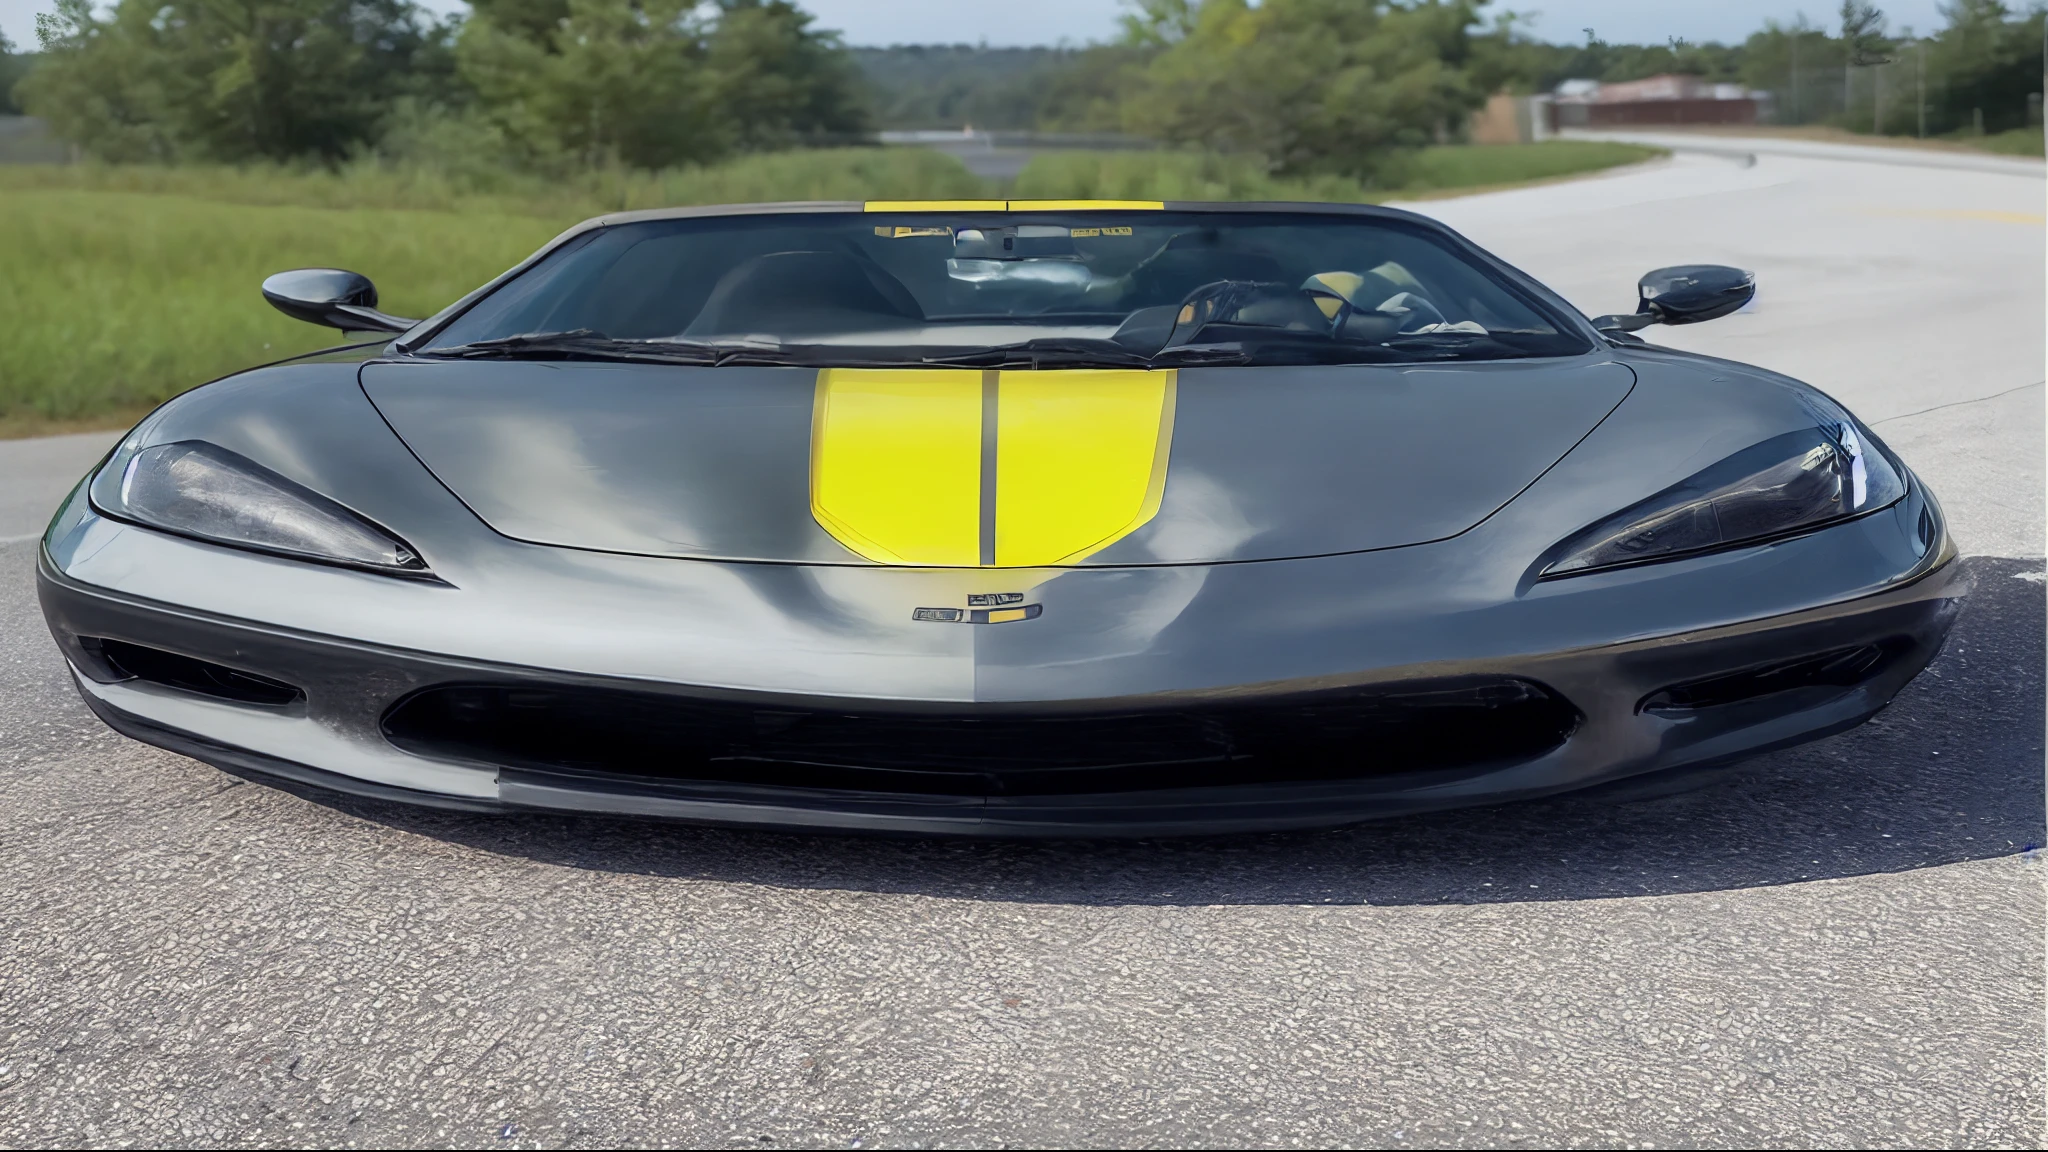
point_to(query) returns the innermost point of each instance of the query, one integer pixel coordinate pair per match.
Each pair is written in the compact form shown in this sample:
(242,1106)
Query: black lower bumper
(1256,757)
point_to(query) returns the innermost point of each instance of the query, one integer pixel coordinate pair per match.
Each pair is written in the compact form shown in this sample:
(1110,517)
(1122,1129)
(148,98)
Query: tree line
(646,83)
(1287,79)
(1310,86)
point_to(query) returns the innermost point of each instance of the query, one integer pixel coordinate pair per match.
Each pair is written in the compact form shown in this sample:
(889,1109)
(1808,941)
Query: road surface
(1839,944)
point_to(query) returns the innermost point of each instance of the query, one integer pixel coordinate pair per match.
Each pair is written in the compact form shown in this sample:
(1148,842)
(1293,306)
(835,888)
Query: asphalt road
(1841,944)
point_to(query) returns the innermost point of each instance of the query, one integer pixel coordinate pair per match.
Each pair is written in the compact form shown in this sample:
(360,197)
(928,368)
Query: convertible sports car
(1054,518)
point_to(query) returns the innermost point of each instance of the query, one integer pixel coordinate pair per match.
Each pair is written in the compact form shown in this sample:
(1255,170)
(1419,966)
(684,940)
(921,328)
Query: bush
(1311,86)
(229,79)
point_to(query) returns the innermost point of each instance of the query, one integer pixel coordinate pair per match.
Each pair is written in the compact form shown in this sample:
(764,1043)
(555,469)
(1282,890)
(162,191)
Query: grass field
(2018,142)
(1199,176)
(122,286)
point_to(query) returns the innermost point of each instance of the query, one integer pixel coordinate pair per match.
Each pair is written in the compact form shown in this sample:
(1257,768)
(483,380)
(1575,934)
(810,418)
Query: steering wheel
(1413,313)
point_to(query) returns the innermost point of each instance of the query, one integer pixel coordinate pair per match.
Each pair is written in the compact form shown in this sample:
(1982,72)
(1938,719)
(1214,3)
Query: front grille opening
(1840,668)
(1345,734)
(156,666)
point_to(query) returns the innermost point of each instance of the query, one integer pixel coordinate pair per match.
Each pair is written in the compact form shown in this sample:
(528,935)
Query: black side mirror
(331,296)
(1686,294)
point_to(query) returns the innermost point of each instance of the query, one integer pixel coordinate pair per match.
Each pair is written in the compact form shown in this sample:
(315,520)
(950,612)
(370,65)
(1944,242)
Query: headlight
(1783,486)
(204,491)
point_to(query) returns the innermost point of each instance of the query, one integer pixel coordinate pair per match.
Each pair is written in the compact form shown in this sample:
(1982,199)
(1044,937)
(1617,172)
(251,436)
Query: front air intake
(1462,725)
(187,674)
(1839,670)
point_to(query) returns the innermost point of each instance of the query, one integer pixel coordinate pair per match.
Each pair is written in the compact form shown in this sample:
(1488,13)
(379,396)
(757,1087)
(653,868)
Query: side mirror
(331,296)
(1686,294)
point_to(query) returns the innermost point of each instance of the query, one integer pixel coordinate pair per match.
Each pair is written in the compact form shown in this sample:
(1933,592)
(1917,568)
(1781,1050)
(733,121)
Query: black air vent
(171,670)
(1839,668)
(1344,734)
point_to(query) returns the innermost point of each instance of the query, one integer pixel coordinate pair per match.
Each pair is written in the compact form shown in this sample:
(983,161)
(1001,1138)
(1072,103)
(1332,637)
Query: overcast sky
(1006,22)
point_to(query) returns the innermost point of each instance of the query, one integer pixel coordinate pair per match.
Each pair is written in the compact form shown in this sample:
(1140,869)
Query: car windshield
(1109,287)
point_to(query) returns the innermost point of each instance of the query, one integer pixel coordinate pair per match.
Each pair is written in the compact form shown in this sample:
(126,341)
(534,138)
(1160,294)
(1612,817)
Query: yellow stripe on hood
(953,468)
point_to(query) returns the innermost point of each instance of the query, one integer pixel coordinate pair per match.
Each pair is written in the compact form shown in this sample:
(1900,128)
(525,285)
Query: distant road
(1902,154)
(1911,291)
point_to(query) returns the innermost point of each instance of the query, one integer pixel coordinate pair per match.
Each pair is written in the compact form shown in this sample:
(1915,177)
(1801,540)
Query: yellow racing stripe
(961,468)
(1080,461)
(896,463)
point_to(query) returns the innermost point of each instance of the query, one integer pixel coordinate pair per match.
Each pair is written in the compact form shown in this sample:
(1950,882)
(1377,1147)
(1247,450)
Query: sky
(1006,22)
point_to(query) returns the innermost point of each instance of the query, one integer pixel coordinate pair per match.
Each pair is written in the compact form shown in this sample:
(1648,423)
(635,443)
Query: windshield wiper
(587,344)
(1081,352)
(1278,348)
(1048,352)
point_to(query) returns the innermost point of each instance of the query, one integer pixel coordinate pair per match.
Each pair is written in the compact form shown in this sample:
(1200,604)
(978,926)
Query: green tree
(1863,33)
(775,82)
(1158,23)
(1312,85)
(609,80)
(651,83)
(1087,92)
(1800,66)
(229,79)
(12,67)
(1987,60)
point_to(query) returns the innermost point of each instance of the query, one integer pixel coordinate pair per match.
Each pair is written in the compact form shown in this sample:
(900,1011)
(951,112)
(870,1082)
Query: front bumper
(1645,705)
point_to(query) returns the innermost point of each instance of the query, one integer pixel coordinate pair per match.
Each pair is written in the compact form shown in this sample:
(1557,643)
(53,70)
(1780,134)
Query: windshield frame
(1525,288)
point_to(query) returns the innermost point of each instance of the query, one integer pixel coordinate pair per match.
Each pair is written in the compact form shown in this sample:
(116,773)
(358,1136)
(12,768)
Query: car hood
(965,468)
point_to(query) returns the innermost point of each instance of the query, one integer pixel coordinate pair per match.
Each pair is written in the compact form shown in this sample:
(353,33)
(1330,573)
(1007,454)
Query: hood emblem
(982,608)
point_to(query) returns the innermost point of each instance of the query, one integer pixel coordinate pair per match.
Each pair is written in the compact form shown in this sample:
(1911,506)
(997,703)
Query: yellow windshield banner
(1014,205)
(1086,205)
(937,205)
(951,468)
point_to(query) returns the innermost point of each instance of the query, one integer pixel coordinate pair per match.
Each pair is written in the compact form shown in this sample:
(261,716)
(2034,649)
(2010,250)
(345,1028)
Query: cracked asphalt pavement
(1839,944)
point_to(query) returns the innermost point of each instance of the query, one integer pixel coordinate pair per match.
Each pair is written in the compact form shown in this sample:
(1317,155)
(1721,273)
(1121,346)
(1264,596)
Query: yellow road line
(1986,214)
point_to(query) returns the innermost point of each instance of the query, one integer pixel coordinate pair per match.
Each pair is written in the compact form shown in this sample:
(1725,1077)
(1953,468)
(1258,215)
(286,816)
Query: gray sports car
(1013,518)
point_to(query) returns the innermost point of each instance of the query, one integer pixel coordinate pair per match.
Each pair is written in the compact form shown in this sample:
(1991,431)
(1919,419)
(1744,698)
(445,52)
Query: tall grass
(1170,176)
(2017,142)
(824,174)
(121,286)
(1208,176)
(1472,166)
(116,300)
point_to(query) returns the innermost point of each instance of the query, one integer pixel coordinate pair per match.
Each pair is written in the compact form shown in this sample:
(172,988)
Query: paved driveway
(1840,944)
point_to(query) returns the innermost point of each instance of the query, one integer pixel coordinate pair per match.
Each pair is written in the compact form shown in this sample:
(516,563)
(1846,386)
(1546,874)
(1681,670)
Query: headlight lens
(198,489)
(1787,484)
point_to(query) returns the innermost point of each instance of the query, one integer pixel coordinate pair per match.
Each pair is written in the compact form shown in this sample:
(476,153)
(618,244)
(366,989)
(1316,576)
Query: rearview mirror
(331,296)
(1685,294)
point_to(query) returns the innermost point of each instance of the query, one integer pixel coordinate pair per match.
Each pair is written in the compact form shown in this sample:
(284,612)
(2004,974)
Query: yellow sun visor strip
(1014,205)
